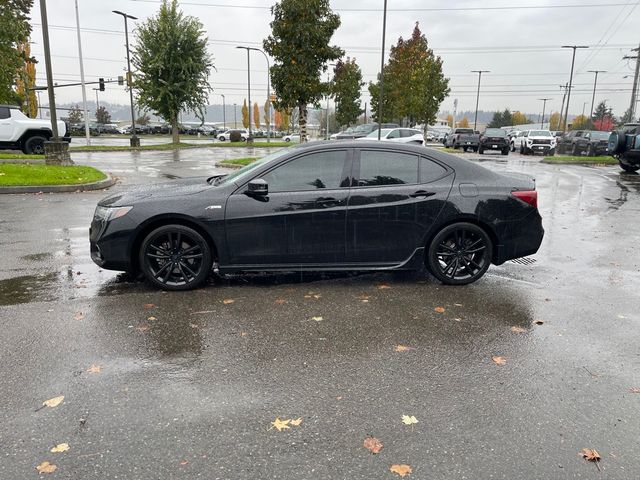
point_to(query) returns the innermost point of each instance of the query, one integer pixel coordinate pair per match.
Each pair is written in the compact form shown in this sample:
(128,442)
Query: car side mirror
(257,187)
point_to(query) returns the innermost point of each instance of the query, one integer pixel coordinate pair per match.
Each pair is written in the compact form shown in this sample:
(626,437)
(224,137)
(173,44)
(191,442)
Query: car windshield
(494,132)
(363,129)
(245,171)
(600,135)
(540,133)
(383,133)
(465,130)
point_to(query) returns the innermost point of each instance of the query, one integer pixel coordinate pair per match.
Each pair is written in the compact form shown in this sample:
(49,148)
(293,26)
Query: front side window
(4,113)
(394,134)
(314,171)
(387,168)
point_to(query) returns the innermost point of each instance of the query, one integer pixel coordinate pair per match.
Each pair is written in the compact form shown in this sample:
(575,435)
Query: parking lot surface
(187,385)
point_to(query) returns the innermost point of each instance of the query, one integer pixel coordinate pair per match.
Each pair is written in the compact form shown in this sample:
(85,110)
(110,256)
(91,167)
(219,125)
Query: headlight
(110,213)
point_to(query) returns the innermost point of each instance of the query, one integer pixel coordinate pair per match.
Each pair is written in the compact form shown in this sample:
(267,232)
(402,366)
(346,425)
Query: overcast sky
(520,46)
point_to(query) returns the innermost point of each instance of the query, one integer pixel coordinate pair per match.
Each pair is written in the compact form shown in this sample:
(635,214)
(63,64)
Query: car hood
(177,188)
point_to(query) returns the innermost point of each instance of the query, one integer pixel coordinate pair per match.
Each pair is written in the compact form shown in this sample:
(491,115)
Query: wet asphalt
(189,383)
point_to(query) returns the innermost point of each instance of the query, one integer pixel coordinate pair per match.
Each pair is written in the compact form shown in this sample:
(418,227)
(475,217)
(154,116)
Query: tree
(286,120)
(14,32)
(501,119)
(267,118)
(414,85)
(245,114)
(450,120)
(26,81)
(554,121)
(496,121)
(627,117)
(603,117)
(299,44)
(102,115)
(346,85)
(143,119)
(581,122)
(75,114)
(464,123)
(256,115)
(519,118)
(173,65)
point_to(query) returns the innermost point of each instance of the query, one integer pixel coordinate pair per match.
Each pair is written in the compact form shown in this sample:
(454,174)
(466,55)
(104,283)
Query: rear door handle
(422,194)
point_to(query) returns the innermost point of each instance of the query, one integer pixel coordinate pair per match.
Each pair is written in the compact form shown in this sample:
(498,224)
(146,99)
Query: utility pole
(39,104)
(97,103)
(634,90)
(564,96)
(56,151)
(224,113)
(84,91)
(573,61)
(381,96)
(544,105)
(134,141)
(595,83)
(475,118)
(235,116)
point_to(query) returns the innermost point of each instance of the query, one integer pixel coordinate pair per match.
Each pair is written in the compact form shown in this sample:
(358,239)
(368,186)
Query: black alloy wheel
(459,254)
(175,257)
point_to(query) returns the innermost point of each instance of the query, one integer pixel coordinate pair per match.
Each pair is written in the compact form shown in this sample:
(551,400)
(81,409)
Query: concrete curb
(584,164)
(82,187)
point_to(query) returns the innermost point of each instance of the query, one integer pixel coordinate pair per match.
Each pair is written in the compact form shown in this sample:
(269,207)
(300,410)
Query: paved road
(189,386)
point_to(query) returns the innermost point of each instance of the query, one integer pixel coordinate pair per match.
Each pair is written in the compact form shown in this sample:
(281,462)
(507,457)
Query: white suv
(19,132)
(534,141)
(400,135)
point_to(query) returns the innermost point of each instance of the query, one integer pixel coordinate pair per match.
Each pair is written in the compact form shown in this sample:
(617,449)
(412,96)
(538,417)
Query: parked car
(410,206)
(566,142)
(19,132)
(399,135)
(534,141)
(345,133)
(294,137)
(224,137)
(364,130)
(591,142)
(624,144)
(465,138)
(494,139)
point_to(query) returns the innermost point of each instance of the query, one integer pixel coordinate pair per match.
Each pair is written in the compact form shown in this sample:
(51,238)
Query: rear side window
(405,132)
(4,113)
(430,170)
(387,168)
(311,172)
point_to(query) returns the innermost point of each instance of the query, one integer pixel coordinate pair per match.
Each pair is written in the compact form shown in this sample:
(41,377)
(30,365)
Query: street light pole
(636,77)
(39,104)
(235,117)
(134,140)
(573,60)
(544,105)
(224,113)
(56,151)
(97,103)
(84,92)
(268,89)
(593,97)
(249,139)
(479,72)
(381,96)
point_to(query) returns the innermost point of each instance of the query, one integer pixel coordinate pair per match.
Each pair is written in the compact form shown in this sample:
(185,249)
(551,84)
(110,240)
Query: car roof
(9,106)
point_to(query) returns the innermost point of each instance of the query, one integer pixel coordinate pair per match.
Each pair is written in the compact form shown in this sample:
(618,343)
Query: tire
(522,151)
(505,151)
(221,138)
(552,152)
(629,168)
(459,254)
(617,142)
(34,145)
(464,149)
(574,151)
(175,257)
(513,147)
(480,151)
(456,146)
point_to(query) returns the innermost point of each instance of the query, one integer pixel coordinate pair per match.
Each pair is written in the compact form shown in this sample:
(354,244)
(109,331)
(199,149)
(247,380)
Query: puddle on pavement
(36,257)
(28,288)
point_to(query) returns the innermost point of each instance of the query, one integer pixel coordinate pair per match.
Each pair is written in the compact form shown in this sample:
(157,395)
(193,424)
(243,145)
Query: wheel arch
(162,220)
(35,133)
(465,219)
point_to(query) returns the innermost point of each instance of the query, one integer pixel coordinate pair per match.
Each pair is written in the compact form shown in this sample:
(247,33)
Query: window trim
(8,113)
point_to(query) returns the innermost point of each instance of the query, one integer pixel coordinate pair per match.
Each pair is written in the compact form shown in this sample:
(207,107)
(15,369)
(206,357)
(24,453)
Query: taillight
(527,196)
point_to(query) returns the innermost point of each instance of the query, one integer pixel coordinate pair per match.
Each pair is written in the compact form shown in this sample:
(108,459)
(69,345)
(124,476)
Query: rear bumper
(519,238)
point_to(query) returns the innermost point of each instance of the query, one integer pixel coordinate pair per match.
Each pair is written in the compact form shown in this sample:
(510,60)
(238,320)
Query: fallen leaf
(280,301)
(243,334)
(202,311)
(142,328)
(499,360)
(539,322)
(364,297)
(184,462)
(46,467)
(635,390)
(402,348)
(152,319)
(193,325)
(53,402)
(439,309)
(78,316)
(94,369)
(457,304)
(401,469)
(317,319)
(61,447)
(228,301)
(313,295)
(280,424)
(383,286)
(409,419)
(373,444)
(296,422)
(590,454)
(518,330)
(147,306)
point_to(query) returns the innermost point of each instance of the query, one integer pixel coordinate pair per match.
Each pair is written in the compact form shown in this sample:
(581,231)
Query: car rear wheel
(480,150)
(175,257)
(505,151)
(34,145)
(629,168)
(459,254)
(513,147)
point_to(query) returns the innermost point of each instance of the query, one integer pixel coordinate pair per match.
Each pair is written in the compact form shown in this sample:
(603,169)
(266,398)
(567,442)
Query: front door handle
(422,194)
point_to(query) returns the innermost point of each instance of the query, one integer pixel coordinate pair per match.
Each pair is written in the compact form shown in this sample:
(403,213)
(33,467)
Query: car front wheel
(459,254)
(175,257)
(34,145)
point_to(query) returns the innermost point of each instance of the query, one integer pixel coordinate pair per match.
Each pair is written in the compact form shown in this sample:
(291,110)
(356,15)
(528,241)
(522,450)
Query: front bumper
(544,148)
(494,146)
(109,244)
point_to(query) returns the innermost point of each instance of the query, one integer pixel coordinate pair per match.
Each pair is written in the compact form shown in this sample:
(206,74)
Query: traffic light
(120,80)
(101,84)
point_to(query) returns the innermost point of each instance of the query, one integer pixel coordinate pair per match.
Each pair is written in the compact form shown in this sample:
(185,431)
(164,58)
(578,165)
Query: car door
(396,196)
(6,125)
(300,221)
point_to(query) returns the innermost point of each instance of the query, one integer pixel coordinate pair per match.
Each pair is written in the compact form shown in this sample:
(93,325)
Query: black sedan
(323,207)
